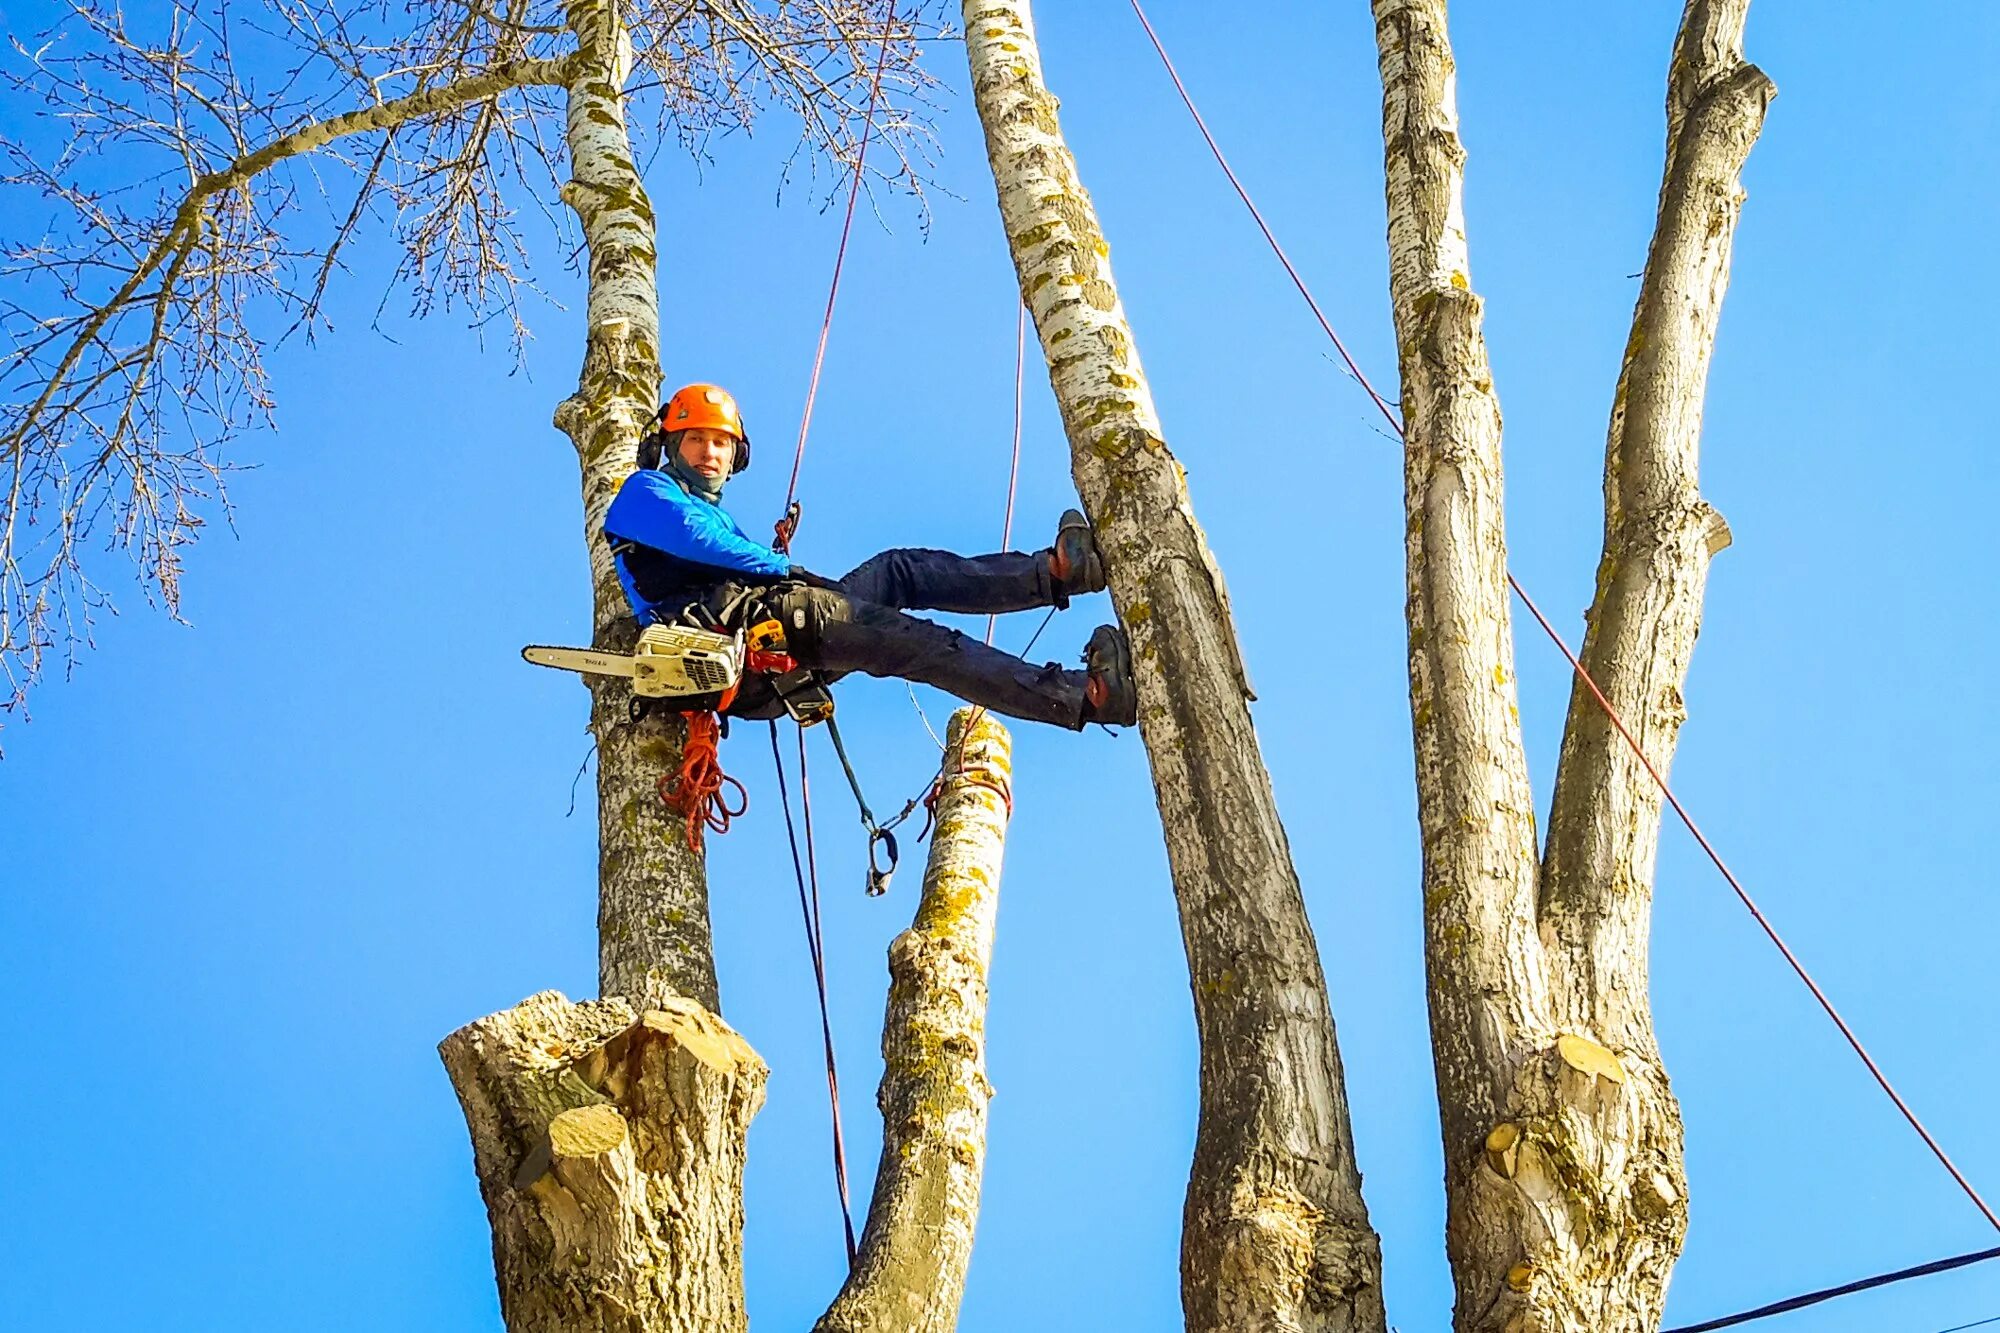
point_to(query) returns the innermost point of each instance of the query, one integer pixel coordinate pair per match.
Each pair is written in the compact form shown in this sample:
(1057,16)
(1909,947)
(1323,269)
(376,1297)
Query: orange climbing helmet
(699,406)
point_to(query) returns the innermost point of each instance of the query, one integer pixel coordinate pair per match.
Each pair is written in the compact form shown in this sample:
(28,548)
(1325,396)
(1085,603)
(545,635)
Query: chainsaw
(668,661)
(701,667)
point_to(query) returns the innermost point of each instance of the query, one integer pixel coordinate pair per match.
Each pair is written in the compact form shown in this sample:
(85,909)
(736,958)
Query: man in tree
(679,552)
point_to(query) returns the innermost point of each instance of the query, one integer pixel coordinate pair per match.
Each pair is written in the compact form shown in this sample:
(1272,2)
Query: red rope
(1723,866)
(695,789)
(1353,368)
(1013,468)
(1577,665)
(840,255)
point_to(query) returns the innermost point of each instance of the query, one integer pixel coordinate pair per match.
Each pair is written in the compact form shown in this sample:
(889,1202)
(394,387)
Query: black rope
(816,947)
(1977,1323)
(879,835)
(1846,1289)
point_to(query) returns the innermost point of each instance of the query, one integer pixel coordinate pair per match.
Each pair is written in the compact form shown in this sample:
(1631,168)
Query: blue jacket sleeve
(653,510)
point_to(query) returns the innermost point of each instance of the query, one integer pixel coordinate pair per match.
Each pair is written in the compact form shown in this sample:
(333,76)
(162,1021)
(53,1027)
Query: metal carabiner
(878,876)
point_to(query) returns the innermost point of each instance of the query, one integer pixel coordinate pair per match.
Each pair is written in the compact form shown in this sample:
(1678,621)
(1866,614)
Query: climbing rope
(1582,674)
(695,789)
(786,528)
(928,797)
(1014,467)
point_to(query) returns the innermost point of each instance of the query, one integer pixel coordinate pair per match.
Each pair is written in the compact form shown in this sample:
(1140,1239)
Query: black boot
(1111,697)
(1074,565)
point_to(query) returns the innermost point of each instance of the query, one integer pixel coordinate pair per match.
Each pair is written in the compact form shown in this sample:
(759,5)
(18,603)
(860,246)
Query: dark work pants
(859,624)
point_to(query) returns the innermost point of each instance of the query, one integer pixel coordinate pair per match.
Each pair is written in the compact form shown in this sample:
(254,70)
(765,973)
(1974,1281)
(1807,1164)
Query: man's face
(710,452)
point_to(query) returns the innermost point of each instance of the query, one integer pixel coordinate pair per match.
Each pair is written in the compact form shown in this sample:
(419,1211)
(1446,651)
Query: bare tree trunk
(609,1142)
(1562,1139)
(910,1275)
(1276,1234)
(653,928)
(609,1147)
(608,1136)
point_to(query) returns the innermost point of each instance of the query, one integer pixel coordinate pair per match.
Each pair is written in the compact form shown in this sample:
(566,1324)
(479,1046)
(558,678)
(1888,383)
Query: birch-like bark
(609,1145)
(1566,1196)
(1276,1235)
(652,921)
(910,1274)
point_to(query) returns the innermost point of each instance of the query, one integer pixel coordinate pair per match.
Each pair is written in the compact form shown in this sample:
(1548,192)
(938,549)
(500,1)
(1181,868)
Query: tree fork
(1276,1234)
(1562,1139)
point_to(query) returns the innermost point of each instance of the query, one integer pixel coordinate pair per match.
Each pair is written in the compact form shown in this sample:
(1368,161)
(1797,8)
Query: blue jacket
(670,546)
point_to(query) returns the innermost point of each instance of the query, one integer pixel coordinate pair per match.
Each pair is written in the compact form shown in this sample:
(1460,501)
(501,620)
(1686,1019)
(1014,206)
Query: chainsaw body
(700,667)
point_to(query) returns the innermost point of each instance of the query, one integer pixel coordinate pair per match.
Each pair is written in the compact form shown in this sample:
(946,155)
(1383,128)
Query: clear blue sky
(256,868)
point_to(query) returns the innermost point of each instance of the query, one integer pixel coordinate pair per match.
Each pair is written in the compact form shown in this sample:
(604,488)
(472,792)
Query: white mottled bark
(653,927)
(1562,1139)
(609,1145)
(1276,1235)
(910,1274)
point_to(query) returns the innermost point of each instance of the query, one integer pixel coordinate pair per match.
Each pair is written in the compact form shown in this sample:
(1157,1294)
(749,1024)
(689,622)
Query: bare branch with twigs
(193,179)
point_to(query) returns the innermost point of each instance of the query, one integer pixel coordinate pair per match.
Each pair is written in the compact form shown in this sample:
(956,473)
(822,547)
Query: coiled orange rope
(695,789)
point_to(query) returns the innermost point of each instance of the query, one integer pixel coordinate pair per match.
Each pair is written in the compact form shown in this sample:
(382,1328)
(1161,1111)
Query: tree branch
(166,343)
(1488,988)
(188,216)
(1562,1140)
(910,1273)
(1659,534)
